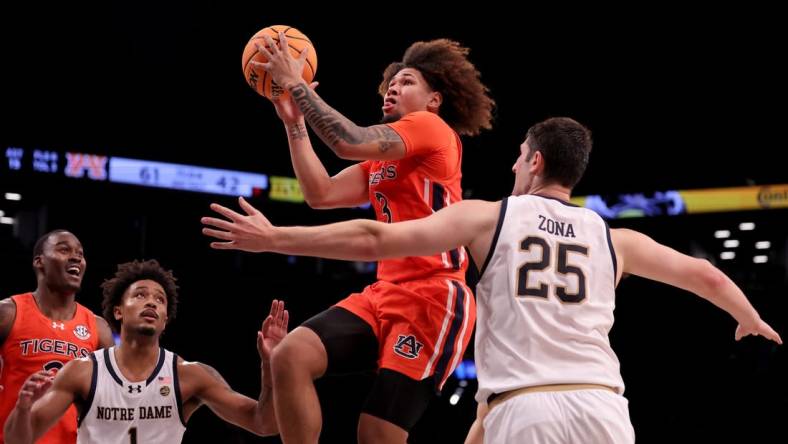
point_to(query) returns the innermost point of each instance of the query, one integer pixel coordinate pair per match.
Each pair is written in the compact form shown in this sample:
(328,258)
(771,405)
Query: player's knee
(285,357)
(296,356)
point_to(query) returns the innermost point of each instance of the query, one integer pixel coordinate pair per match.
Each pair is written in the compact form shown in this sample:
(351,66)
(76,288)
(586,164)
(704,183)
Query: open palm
(273,330)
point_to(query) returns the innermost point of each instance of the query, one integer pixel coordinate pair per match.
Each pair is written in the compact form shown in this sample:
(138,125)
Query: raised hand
(273,330)
(34,388)
(251,232)
(282,66)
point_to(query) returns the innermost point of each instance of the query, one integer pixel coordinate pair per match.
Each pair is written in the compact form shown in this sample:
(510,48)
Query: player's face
(522,171)
(143,308)
(62,262)
(408,92)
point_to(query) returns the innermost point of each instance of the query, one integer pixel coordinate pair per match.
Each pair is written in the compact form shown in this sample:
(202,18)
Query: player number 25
(562,267)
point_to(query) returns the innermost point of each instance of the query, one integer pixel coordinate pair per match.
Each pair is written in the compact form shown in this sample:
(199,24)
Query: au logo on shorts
(407,346)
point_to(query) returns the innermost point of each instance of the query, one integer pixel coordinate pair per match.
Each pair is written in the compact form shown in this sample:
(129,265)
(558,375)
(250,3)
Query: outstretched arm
(640,255)
(345,138)
(43,399)
(273,330)
(469,222)
(257,417)
(231,406)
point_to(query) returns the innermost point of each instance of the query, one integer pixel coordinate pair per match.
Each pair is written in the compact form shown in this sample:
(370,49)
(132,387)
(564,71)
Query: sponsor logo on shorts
(407,346)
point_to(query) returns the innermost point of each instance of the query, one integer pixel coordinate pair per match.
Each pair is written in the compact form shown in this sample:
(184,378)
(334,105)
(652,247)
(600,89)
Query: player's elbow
(371,252)
(316,202)
(320,199)
(710,279)
(344,150)
(370,241)
(369,247)
(267,429)
(325,198)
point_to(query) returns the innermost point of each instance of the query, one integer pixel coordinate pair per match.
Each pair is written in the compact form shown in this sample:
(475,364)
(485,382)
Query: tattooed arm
(347,189)
(345,138)
(348,140)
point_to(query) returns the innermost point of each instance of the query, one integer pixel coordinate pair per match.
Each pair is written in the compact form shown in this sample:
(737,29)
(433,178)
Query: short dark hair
(444,64)
(565,145)
(129,273)
(38,248)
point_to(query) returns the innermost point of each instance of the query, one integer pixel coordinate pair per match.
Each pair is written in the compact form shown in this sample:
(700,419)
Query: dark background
(675,101)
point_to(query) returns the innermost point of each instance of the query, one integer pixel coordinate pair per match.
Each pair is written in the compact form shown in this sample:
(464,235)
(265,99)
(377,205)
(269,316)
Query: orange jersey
(424,181)
(35,343)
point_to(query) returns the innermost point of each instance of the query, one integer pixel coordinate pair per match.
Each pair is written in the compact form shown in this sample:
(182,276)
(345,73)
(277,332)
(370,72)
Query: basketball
(257,77)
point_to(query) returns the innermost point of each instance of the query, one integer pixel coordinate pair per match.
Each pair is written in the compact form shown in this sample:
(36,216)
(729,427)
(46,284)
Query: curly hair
(565,145)
(444,64)
(129,273)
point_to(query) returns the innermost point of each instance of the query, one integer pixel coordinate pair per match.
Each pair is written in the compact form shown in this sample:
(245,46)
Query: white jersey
(545,299)
(125,412)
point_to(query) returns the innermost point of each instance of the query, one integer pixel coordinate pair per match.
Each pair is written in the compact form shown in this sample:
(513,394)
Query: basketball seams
(311,67)
(257,51)
(289,37)
(265,81)
(265,75)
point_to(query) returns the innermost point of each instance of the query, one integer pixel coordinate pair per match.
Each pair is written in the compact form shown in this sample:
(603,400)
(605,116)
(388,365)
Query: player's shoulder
(625,237)
(78,367)
(7,317)
(83,361)
(427,117)
(190,368)
(7,306)
(106,338)
(197,374)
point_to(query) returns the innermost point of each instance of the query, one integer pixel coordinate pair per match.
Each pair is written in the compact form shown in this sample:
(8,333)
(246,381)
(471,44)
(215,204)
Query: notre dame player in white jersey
(138,392)
(546,292)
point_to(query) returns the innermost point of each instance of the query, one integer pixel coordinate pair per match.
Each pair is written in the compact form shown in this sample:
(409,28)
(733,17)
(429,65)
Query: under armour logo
(137,387)
(408,346)
(61,326)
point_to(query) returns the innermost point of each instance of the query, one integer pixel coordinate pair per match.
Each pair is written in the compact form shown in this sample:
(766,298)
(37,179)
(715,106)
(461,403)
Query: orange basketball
(257,77)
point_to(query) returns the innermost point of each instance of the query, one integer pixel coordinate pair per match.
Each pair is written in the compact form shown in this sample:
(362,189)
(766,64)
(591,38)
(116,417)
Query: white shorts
(577,416)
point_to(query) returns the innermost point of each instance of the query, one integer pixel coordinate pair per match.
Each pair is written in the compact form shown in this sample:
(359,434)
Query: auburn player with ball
(415,322)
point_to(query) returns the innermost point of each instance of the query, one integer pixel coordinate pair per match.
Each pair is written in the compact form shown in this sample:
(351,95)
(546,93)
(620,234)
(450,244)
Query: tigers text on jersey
(35,343)
(546,298)
(126,412)
(424,181)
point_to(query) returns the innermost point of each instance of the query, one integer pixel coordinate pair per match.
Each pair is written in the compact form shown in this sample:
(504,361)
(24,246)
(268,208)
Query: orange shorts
(423,327)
